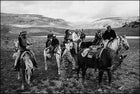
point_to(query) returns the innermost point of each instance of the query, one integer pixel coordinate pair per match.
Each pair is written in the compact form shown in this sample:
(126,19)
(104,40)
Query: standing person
(109,35)
(83,35)
(75,38)
(67,63)
(23,43)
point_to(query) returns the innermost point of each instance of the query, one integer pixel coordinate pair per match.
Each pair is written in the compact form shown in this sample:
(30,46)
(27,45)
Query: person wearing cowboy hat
(68,36)
(22,38)
(109,35)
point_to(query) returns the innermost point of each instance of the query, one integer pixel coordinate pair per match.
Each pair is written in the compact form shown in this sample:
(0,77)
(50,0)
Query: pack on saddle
(22,44)
(92,51)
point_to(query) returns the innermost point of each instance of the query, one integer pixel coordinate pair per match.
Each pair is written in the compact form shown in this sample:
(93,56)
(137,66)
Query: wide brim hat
(23,33)
(108,26)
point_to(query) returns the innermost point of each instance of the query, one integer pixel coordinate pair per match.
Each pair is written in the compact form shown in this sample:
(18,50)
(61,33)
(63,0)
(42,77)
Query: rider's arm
(104,35)
(113,34)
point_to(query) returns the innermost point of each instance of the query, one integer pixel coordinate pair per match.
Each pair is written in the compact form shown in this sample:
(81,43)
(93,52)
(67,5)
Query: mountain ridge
(36,20)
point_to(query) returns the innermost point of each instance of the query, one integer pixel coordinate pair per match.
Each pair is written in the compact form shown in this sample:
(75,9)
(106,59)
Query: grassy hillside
(31,19)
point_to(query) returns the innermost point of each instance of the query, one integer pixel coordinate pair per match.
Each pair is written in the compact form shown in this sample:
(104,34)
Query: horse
(25,67)
(48,56)
(108,61)
(97,41)
(26,64)
(119,45)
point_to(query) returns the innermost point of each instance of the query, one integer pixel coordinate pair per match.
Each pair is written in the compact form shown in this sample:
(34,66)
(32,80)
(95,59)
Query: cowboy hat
(23,32)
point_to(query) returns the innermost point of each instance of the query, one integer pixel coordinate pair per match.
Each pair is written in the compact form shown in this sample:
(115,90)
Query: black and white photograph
(70,47)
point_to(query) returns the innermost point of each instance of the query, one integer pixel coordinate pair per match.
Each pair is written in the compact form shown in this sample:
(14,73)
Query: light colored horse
(119,44)
(26,68)
(57,55)
(26,65)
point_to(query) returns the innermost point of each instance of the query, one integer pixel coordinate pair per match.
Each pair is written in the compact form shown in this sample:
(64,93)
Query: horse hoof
(45,69)
(99,90)
(30,84)
(22,87)
(18,78)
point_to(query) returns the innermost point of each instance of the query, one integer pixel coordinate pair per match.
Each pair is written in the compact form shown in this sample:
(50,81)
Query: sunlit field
(125,79)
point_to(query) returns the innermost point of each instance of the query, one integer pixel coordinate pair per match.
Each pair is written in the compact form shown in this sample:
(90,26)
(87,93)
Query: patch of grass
(126,77)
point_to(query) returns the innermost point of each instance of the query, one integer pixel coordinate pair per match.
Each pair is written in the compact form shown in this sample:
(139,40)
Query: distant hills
(115,22)
(34,20)
(31,20)
(40,25)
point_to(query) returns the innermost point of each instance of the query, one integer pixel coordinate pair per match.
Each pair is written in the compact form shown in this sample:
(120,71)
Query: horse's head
(98,34)
(98,38)
(117,61)
(124,43)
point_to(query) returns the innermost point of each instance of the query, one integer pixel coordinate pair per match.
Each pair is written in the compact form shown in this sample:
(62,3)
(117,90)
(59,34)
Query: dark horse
(97,40)
(108,61)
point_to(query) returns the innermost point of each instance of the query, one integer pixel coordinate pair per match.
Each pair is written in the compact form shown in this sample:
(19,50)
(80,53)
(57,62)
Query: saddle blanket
(89,52)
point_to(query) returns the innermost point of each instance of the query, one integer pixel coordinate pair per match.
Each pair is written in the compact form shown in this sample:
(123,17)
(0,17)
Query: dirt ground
(125,79)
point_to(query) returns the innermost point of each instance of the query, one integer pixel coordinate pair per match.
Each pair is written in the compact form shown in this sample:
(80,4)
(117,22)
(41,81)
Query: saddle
(92,51)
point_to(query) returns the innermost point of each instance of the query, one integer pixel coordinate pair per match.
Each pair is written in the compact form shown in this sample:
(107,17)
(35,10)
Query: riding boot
(33,59)
(16,67)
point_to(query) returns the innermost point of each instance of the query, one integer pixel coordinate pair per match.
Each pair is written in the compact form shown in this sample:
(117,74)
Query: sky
(73,11)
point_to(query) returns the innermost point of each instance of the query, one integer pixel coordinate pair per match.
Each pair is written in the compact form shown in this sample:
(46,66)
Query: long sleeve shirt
(109,35)
(75,37)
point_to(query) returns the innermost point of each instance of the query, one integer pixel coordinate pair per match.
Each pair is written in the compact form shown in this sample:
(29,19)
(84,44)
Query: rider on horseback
(55,43)
(22,48)
(109,35)
(49,39)
(67,36)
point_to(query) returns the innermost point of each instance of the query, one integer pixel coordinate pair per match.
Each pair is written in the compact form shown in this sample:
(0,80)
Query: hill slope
(101,23)
(29,20)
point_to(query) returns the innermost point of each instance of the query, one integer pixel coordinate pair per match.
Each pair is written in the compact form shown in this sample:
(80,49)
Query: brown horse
(115,48)
(108,61)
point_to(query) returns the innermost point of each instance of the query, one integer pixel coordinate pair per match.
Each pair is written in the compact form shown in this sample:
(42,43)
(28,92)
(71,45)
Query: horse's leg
(18,75)
(83,74)
(78,70)
(109,76)
(45,61)
(100,77)
(29,77)
(58,62)
(23,79)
